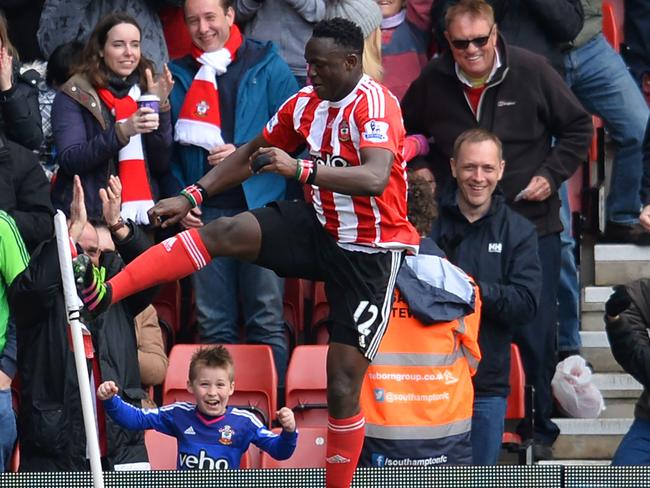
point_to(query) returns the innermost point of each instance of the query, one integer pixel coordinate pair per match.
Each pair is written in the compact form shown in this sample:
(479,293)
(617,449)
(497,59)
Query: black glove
(618,301)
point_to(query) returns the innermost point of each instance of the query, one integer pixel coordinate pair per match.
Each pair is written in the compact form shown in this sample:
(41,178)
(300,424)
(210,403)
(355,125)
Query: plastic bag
(574,390)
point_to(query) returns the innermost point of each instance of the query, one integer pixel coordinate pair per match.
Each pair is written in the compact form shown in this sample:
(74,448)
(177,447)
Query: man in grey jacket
(298,20)
(65,20)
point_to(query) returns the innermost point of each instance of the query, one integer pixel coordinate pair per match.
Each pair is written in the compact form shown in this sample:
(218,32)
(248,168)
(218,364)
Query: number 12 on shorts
(364,328)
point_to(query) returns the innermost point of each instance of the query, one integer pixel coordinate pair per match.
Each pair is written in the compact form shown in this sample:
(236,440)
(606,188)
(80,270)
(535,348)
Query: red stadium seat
(163,450)
(168,304)
(245,461)
(320,315)
(294,306)
(310,450)
(15,459)
(306,385)
(589,186)
(518,410)
(15,403)
(256,379)
(594,149)
(613,14)
(168,308)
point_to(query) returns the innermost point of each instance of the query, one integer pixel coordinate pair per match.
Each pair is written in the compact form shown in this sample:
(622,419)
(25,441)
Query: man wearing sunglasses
(517,95)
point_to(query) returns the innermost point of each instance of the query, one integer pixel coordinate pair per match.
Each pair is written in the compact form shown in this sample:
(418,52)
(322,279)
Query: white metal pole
(73,306)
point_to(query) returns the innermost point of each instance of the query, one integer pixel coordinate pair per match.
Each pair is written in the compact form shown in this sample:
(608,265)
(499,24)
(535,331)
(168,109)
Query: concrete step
(593,307)
(586,447)
(594,338)
(620,392)
(617,385)
(592,321)
(589,427)
(596,350)
(594,298)
(620,263)
(617,408)
(594,439)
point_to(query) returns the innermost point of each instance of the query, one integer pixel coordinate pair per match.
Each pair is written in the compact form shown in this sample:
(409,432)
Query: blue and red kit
(204,443)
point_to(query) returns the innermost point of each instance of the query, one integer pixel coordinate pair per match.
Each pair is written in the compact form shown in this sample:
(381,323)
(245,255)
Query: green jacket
(13,260)
(593,22)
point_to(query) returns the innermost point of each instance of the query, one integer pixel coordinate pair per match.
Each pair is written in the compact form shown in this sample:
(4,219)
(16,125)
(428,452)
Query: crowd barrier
(536,476)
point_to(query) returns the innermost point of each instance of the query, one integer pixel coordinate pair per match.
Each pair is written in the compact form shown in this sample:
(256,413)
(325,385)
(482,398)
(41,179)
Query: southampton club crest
(344,132)
(202,108)
(227,433)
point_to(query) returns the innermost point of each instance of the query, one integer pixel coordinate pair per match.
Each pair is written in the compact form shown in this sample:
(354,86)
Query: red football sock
(344,443)
(172,259)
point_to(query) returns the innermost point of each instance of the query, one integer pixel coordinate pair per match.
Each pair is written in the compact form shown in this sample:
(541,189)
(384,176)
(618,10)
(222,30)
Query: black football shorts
(359,285)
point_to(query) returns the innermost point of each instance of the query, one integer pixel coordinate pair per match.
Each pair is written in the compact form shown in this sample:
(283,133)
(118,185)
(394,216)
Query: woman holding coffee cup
(112,118)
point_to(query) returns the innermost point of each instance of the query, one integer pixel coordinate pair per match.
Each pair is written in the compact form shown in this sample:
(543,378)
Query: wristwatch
(117,225)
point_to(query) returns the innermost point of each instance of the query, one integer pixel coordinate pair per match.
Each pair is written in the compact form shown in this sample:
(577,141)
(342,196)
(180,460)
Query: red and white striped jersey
(335,133)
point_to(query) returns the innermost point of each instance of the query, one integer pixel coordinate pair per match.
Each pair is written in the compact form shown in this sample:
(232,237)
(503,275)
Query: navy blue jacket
(500,252)
(87,145)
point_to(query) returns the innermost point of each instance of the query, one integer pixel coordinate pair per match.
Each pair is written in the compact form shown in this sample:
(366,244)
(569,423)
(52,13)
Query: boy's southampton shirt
(204,443)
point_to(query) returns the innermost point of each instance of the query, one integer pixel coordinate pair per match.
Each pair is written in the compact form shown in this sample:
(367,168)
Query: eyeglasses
(463,44)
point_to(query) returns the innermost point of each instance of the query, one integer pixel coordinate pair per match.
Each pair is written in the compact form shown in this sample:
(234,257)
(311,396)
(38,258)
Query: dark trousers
(537,340)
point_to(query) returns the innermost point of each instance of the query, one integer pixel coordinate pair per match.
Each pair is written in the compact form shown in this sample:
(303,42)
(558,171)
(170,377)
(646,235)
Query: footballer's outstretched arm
(230,172)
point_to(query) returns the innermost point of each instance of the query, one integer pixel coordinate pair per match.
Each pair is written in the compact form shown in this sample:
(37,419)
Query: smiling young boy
(210,434)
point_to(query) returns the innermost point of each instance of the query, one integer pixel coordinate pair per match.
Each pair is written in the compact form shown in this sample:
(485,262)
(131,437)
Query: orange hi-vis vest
(417,396)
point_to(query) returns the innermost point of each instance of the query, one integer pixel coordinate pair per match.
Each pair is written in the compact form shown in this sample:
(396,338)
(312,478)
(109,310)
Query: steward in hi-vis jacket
(417,396)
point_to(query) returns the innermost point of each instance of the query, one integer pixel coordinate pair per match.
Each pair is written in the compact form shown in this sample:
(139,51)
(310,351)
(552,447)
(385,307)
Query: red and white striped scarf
(199,121)
(132,169)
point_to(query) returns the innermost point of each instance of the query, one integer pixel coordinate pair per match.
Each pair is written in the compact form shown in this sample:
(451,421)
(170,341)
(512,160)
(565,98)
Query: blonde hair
(211,357)
(475,135)
(474,8)
(372,65)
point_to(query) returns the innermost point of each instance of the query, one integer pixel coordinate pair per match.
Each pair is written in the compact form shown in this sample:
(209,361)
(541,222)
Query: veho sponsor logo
(202,461)
(329,160)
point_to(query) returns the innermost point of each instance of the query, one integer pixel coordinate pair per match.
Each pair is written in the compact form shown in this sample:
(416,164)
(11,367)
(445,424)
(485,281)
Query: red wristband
(195,194)
(306,169)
